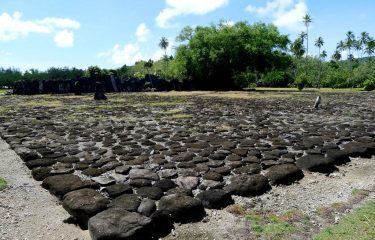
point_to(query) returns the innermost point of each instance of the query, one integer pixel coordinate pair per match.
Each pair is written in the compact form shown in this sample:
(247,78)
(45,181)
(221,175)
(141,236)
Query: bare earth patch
(27,211)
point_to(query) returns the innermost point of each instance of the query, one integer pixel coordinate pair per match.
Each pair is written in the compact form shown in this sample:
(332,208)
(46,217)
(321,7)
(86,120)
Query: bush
(301,81)
(276,79)
(369,84)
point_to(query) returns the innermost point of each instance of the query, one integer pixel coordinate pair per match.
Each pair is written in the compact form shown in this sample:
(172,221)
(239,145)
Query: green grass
(3,184)
(359,225)
(270,225)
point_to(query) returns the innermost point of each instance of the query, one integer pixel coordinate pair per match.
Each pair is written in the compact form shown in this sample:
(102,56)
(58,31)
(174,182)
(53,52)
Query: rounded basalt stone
(120,224)
(140,183)
(93,172)
(118,189)
(40,173)
(182,208)
(60,185)
(224,170)
(70,159)
(215,198)
(217,156)
(248,169)
(284,174)
(186,165)
(153,193)
(83,204)
(41,162)
(147,207)
(189,182)
(128,202)
(165,184)
(315,163)
(234,158)
(28,156)
(181,191)
(248,185)
(214,176)
(240,152)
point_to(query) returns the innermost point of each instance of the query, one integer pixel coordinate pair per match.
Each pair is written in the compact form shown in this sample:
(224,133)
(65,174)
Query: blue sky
(79,33)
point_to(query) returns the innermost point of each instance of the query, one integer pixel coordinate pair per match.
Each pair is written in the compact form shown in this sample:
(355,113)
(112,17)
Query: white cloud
(13,27)
(284,13)
(142,33)
(64,39)
(186,7)
(128,54)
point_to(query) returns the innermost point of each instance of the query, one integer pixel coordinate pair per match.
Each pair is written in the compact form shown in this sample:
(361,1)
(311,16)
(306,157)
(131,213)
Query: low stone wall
(87,85)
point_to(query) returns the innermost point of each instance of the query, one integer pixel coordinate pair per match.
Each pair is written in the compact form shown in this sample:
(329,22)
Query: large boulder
(215,198)
(315,163)
(248,185)
(338,156)
(116,223)
(83,204)
(357,149)
(60,185)
(181,208)
(284,174)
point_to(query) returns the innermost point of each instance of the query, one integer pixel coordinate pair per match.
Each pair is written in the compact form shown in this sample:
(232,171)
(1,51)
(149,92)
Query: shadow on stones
(72,220)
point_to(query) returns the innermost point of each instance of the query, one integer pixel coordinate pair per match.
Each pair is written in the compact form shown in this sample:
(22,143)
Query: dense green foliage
(242,55)
(227,57)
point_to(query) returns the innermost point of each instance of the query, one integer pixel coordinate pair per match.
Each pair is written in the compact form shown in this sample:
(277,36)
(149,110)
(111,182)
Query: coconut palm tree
(365,37)
(336,55)
(349,42)
(370,48)
(357,47)
(307,20)
(297,48)
(163,44)
(319,44)
(321,56)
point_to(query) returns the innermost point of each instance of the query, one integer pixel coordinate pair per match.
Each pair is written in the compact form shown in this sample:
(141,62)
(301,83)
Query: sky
(110,33)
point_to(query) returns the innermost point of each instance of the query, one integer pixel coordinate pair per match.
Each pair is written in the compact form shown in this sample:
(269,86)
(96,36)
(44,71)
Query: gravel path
(27,211)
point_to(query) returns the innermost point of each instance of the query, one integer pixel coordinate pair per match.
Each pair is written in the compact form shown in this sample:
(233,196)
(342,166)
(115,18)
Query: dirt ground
(27,211)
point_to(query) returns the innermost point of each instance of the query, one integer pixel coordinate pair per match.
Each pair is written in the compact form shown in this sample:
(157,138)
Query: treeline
(225,57)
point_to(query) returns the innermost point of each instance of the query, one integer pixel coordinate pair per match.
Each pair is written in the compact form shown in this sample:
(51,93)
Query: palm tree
(307,20)
(163,44)
(365,37)
(297,48)
(358,47)
(349,42)
(321,56)
(336,56)
(319,44)
(370,48)
(148,65)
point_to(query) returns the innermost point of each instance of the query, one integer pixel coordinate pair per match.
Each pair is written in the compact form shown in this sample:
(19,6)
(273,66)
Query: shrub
(301,81)
(369,84)
(276,79)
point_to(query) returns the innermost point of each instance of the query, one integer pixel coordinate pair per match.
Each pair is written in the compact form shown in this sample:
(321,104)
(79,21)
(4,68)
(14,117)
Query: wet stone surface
(146,157)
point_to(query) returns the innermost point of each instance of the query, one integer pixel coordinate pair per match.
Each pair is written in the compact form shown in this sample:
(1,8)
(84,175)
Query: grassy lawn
(358,225)
(3,184)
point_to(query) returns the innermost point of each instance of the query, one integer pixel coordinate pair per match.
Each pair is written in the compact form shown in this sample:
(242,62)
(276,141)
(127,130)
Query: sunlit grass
(3,184)
(358,225)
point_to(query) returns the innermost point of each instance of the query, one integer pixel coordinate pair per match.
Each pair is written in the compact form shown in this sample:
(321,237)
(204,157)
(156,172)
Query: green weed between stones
(3,184)
(273,226)
(358,225)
